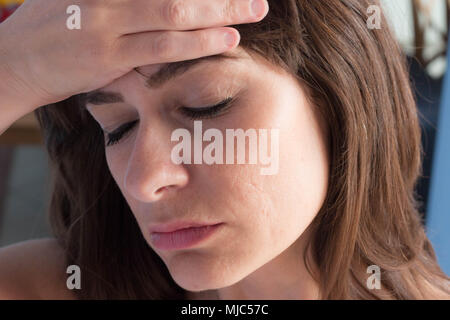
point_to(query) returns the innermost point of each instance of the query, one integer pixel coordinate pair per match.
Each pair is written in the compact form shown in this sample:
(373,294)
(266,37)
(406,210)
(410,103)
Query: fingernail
(230,39)
(258,8)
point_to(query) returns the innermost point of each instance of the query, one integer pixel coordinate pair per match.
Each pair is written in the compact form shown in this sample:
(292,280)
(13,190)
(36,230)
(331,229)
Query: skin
(115,37)
(35,66)
(257,254)
(34,269)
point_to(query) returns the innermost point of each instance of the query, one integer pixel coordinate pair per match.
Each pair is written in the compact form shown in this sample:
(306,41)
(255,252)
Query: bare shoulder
(33,269)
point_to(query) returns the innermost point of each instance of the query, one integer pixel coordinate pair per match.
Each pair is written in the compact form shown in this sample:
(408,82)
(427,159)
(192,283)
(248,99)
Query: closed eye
(115,136)
(207,112)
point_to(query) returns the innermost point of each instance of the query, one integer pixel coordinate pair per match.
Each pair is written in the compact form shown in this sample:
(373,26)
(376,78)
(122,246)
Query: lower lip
(182,239)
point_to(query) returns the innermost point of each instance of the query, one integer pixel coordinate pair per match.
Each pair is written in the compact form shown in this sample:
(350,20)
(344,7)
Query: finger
(144,15)
(145,48)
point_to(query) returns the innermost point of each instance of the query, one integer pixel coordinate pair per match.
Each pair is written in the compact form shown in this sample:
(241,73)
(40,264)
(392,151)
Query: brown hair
(358,79)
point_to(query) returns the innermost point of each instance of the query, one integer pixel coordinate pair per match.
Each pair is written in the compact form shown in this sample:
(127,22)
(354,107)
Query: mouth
(181,235)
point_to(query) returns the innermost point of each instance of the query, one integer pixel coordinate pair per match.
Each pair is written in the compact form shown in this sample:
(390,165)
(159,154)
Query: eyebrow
(158,79)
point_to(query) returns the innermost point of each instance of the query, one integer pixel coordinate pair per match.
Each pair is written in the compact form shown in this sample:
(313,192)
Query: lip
(177,225)
(181,235)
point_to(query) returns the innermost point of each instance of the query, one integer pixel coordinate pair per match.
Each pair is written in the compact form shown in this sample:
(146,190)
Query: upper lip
(178,225)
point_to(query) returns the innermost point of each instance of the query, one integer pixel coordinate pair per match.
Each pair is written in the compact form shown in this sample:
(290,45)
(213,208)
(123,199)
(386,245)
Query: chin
(197,283)
(197,277)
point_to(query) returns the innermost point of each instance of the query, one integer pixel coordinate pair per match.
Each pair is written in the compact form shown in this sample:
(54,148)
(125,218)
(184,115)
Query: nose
(151,175)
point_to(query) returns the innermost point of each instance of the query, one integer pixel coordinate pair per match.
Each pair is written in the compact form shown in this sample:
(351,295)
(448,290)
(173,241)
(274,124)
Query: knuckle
(101,15)
(93,8)
(163,46)
(229,10)
(96,17)
(176,12)
(203,41)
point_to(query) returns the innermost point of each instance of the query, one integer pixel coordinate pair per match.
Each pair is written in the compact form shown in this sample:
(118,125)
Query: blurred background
(421,27)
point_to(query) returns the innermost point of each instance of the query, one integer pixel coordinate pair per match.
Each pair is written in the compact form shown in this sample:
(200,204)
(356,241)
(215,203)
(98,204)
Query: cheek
(305,156)
(267,211)
(283,205)
(247,203)
(303,179)
(277,208)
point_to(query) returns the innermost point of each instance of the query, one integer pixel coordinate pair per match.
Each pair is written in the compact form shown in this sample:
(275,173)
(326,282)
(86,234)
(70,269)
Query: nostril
(162,189)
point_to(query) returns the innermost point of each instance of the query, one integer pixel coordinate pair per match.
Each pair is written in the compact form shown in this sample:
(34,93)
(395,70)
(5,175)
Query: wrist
(16,99)
(15,102)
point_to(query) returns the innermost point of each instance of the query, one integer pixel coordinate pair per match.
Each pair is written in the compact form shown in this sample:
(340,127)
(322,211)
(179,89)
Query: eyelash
(191,113)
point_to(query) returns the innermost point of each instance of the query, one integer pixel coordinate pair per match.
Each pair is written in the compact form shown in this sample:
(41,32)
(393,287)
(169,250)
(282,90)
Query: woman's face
(261,215)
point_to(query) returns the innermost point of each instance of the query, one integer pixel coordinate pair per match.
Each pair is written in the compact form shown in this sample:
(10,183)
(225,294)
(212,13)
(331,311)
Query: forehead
(153,69)
(154,76)
(158,74)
